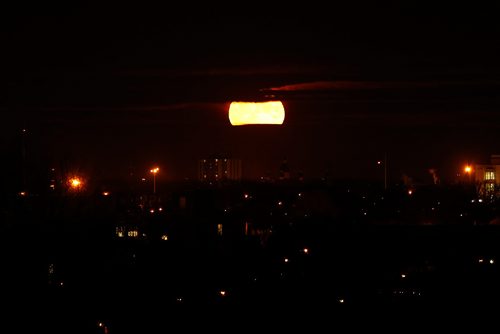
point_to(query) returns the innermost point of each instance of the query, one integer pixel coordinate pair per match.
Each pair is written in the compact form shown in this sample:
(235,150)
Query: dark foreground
(134,286)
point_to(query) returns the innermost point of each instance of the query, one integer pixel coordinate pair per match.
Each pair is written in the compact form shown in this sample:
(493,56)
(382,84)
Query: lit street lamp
(468,171)
(75,184)
(154,171)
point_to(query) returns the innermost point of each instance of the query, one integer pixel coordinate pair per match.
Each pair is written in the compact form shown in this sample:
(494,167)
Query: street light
(75,183)
(468,171)
(154,171)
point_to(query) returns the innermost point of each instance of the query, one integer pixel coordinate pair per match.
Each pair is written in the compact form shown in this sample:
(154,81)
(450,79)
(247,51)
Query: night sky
(120,88)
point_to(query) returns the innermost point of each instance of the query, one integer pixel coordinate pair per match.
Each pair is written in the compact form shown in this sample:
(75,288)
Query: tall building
(284,171)
(219,169)
(486,177)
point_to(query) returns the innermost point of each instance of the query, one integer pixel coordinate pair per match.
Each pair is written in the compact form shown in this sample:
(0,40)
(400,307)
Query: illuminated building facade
(219,169)
(486,178)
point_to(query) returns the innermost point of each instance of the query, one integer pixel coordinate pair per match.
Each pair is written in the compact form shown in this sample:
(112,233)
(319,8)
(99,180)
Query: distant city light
(403,275)
(410,192)
(305,250)
(160,209)
(75,183)
(286,260)
(246,196)
(105,193)
(245,113)
(341,301)
(492,261)
(164,237)
(222,293)
(481,260)
(22,193)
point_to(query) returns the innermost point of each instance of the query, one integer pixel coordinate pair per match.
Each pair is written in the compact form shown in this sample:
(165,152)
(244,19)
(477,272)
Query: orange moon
(245,113)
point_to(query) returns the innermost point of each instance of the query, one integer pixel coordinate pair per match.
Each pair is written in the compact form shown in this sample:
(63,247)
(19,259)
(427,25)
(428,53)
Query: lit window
(219,229)
(120,232)
(489,175)
(490,187)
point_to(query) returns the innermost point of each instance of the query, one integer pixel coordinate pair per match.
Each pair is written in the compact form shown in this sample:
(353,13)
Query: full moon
(245,113)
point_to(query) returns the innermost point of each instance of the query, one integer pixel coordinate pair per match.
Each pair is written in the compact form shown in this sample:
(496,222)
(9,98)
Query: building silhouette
(486,177)
(219,169)
(284,171)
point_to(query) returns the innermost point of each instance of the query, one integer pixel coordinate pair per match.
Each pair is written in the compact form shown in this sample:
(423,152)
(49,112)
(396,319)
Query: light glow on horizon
(245,113)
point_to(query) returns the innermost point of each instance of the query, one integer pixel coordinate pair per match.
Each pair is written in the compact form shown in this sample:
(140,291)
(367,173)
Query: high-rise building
(219,169)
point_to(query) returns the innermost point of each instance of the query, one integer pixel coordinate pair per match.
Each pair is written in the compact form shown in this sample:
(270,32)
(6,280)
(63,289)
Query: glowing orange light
(75,183)
(154,170)
(222,293)
(468,169)
(105,193)
(243,113)
(410,192)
